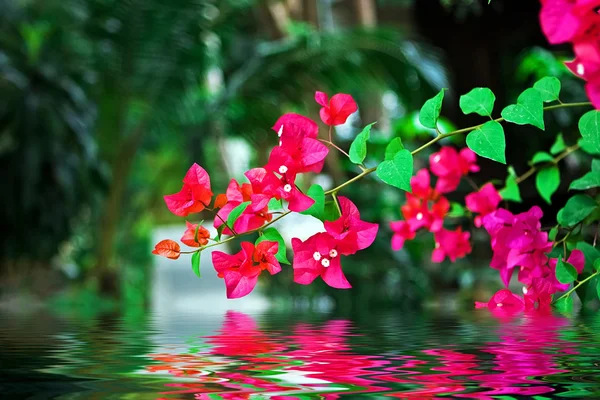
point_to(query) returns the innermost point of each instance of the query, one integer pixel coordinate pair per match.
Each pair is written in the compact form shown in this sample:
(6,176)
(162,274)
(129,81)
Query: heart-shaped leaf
(576,210)
(393,148)
(559,145)
(358,148)
(589,180)
(478,100)
(511,191)
(317,210)
(488,141)
(196,263)
(430,112)
(565,272)
(548,87)
(273,235)
(528,110)
(589,126)
(397,171)
(547,182)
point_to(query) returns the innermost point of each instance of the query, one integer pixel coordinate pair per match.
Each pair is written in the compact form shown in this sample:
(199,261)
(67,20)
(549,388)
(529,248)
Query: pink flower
(318,256)
(451,244)
(253,217)
(420,185)
(587,64)
(504,299)
(306,126)
(351,233)
(484,202)
(240,271)
(335,111)
(418,214)
(297,153)
(193,239)
(566,20)
(195,194)
(450,166)
(402,233)
(267,185)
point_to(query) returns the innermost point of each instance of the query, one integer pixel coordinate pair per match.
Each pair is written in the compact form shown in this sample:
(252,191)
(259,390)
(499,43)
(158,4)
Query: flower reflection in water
(242,359)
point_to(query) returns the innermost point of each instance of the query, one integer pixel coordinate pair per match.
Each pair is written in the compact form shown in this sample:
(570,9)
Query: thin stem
(330,134)
(356,178)
(555,161)
(574,288)
(338,149)
(337,203)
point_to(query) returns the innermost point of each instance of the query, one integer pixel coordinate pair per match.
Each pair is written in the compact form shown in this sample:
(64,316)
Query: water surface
(237,355)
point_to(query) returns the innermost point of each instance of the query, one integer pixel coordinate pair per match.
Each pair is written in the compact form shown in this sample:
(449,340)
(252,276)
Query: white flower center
(317,256)
(287,188)
(419,216)
(437,158)
(525,290)
(580,69)
(325,262)
(283,169)
(333,253)
(280,142)
(280,132)
(499,305)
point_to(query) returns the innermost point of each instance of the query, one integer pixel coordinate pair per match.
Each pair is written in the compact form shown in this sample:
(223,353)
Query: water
(237,355)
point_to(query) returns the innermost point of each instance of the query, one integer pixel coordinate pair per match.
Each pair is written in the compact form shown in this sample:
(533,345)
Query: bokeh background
(104,104)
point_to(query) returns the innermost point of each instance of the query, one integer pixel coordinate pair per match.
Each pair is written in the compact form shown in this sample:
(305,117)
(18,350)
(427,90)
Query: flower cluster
(244,208)
(577,22)
(426,207)
(518,242)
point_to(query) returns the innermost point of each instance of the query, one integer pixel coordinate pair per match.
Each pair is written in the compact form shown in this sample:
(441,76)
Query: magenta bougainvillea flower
(451,244)
(267,185)
(195,194)
(297,122)
(297,153)
(450,166)
(349,230)
(253,217)
(586,64)
(335,111)
(193,239)
(402,233)
(418,214)
(318,256)
(483,202)
(240,271)
(504,299)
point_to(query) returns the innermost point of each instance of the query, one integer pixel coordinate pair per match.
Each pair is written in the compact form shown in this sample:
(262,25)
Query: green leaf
(393,148)
(540,157)
(590,254)
(273,235)
(528,110)
(552,234)
(598,288)
(456,210)
(547,182)
(511,191)
(589,180)
(430,112)
(358,148)
(588,147)
(331,212)
(565,304)
(397,171)
(478,100)
(220,230)
(275,204)
(235,213)
(559,145)
(589,126)
(565,272)
(597,264)
(576,210)
(548,88)
(488,141)
(196,263)
(317,210)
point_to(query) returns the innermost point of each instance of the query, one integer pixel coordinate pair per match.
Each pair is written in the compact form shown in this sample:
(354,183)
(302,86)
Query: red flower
(318,256)
(418,215)
(306,126)
(241,270)
(451,244)
(402,233)
(450,166)
(253,217)
(167,248)
(351,233)
(504,299)
(267,185)
(484,202)
(194,195)
(297,153)
(335,111)
(189,237)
